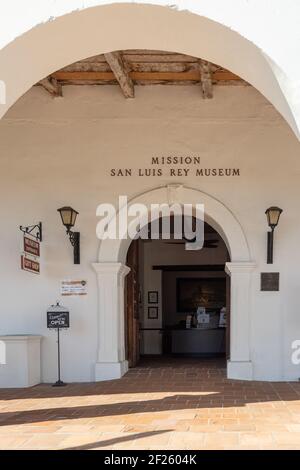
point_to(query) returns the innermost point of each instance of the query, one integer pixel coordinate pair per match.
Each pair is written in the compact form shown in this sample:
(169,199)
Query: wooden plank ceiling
(140,67)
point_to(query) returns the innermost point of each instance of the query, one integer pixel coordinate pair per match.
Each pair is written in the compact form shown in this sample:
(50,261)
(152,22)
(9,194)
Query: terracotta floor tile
(74,429)
(287,438)
(205,428)
(164,403)
(187,440)
(293,427)
(242,427)
(107,428)
(92,440)
(256,438)
(12,442)
(222,439)
(43,442)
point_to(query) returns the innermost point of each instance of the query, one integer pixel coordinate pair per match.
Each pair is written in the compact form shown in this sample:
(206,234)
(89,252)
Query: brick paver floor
(162,404)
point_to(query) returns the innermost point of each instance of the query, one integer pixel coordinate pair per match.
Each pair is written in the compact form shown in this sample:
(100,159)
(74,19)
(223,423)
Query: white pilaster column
(240,366)
(111,362)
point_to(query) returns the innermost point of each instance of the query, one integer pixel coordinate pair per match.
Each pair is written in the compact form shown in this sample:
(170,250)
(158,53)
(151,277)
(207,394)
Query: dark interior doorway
(164,290)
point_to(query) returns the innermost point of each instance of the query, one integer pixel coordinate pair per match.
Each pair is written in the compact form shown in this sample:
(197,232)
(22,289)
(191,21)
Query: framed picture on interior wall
(153,313)
(152,297)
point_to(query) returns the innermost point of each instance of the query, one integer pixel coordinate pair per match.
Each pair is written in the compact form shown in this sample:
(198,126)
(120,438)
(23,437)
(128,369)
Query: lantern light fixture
(273,215)
(68,218)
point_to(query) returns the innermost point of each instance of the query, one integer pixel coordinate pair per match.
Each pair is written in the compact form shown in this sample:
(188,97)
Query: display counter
(198,341)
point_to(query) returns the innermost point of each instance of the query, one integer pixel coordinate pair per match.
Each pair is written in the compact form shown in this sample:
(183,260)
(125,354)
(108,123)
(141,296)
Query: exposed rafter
(52,86)
(206,79)
(120,70)
(135,67)
(170,77)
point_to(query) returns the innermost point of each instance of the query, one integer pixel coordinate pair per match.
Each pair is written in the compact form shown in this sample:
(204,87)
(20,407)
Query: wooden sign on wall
(31,246)
(30,255)
(30,265)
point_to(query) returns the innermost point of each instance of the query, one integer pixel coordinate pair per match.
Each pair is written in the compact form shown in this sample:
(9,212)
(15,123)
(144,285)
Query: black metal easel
(59,382)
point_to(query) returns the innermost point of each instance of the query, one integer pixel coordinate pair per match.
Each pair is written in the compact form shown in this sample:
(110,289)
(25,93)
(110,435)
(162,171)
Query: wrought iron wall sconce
(273,215)
(68,217)
(33,230)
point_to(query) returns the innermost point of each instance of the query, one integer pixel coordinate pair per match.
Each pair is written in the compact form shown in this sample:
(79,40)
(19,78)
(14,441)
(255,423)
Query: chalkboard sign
(58,320)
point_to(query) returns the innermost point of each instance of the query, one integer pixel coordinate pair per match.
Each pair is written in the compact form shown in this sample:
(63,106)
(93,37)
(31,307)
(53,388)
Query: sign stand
(57,319)
(59,382)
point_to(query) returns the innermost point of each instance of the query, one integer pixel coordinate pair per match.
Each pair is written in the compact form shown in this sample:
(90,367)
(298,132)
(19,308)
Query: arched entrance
(28,51)
(111,271)
(175,297)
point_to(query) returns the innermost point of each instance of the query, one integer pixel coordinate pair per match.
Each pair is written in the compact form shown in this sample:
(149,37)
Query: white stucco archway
(216,214)
(55,34)
(111,271)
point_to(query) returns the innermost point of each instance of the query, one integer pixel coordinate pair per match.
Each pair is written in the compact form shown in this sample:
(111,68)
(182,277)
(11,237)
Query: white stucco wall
(56,152)
(258,40)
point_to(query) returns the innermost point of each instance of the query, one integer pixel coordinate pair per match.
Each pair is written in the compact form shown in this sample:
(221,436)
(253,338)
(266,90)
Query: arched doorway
(111,271)
(177,301)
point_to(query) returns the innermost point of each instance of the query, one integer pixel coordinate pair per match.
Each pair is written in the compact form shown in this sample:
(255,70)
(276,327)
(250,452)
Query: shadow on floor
(117,440)
(170,403)
(191,383)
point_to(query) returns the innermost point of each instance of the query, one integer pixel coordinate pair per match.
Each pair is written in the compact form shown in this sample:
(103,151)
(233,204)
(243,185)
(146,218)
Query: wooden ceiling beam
(133,67)
(168,76)
(206,79)
(120,70)
(52,86)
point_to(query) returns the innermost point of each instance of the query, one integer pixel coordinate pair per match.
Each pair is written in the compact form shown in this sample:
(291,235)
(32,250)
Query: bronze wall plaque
(269,282)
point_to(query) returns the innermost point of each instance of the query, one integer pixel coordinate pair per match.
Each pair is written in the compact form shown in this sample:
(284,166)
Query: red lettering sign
(30,265)
(31,246)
